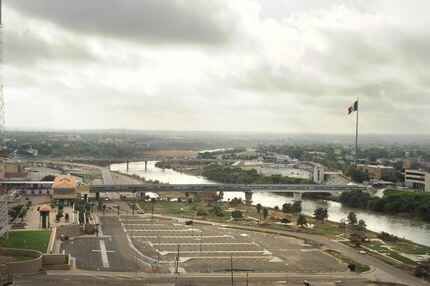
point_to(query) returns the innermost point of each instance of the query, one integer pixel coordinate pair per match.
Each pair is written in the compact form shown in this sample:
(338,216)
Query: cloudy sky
(228,65)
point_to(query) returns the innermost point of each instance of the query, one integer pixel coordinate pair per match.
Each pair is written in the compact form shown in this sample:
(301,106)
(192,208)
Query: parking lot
(206,248)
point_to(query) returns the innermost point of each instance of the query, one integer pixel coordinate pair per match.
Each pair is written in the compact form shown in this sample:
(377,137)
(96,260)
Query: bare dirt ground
(124,179)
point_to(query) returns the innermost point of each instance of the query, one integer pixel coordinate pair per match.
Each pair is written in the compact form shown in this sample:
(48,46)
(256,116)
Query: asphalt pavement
(394,274)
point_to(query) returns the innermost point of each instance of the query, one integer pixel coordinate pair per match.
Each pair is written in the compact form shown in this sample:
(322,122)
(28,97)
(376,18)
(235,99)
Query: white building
(417,179)
(318,173)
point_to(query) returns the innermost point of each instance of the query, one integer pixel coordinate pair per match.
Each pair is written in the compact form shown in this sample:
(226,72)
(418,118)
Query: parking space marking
(215,251)
(180,236)
(208,243)
(103,253)
(165,230)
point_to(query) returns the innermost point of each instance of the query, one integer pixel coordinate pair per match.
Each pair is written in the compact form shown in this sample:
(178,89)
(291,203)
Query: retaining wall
(23,267)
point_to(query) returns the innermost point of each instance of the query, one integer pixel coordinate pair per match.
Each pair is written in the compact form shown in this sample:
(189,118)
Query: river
(414,230)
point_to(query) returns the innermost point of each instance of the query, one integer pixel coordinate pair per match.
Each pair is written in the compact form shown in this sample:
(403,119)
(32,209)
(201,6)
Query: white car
(362,251)
(140,211)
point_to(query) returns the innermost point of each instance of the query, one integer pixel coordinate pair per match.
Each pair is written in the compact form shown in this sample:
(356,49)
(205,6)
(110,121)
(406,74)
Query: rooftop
(65,182)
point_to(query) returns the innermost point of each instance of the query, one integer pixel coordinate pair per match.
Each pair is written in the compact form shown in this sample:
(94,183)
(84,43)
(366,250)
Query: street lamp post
(158,247)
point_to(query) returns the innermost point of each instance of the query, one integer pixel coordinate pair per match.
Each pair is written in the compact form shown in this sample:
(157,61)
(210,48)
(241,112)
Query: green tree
(287,208)
(221,195)
(301,220)
(297,207)
(48,178)
(321,214)
(265,213)
(217,210)
(352,218)
(361,225)
(355,174)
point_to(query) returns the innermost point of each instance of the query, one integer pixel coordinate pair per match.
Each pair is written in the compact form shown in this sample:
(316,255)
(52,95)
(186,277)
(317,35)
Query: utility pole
(152,210)
(177,261)
(231,270)
(158,248)
(192,226)
(2,119)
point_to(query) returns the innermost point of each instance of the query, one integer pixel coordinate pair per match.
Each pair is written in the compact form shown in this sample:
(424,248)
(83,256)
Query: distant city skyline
(224,65)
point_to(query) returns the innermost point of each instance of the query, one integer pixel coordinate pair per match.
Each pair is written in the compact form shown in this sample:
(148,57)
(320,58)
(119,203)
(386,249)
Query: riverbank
(400,253)
(413,230)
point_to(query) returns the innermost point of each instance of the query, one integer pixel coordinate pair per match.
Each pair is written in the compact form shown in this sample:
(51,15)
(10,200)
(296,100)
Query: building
(278,158)
(14,170)
(30,187)
(32,151)
(64,188)
(376,172)
(410,162)
(318,173)
(417,179)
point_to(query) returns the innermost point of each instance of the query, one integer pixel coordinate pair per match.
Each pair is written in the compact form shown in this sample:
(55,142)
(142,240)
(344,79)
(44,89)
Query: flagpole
(356,135)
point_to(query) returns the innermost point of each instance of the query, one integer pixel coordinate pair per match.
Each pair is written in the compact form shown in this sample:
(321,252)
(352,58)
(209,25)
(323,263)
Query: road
(396,274)
(107,176)
(98,278)
(107,180)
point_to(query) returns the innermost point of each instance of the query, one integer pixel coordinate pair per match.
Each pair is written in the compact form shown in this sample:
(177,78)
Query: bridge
(196,189)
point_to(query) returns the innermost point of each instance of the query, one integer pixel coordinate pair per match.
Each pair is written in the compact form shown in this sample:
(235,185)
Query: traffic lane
(201,280)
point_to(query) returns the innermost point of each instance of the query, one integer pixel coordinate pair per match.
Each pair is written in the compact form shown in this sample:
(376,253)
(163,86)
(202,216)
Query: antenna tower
(2,121)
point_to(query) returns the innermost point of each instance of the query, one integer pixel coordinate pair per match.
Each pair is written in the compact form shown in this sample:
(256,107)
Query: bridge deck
(274,188)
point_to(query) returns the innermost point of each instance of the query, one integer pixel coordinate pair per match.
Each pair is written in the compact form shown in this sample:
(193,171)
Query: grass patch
(409,248)
(321,228)
(283,227)
(186,209)
(21,257)
(400,258)
(359,267)
(36,240)
(376,245)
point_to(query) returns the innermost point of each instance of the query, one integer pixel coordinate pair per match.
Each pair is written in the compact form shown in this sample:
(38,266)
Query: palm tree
(265,213)
(258,207)
(133,207)
(301,220)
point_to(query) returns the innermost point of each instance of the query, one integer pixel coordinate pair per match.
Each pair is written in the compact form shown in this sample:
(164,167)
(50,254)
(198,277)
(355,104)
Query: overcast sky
(228,65)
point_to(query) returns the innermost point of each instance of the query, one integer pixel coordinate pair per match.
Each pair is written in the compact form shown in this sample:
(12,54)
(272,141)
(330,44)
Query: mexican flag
(353,107)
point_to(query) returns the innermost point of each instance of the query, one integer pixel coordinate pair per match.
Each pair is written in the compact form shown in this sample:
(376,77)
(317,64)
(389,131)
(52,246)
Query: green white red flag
(353,107)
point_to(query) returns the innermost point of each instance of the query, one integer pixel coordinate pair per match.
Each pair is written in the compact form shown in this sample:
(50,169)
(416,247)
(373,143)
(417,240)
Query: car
(362,251)
(140,211)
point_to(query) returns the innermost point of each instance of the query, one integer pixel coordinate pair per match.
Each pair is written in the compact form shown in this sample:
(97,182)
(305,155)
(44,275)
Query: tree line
(393,202)
(231,175)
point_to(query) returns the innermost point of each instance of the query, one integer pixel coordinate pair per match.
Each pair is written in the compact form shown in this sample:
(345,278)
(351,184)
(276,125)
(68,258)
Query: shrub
(201,212)
(236,214)
(285,220)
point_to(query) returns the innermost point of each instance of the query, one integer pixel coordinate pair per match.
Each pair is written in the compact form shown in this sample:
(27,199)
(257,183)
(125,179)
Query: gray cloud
(26,48)
(283,73)
(166,21)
